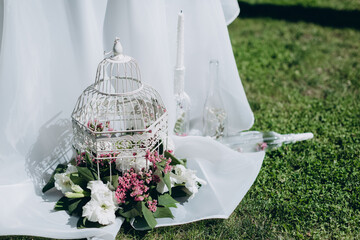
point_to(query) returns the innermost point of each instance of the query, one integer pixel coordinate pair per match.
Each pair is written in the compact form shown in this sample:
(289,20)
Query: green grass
(299,77)
(334,4)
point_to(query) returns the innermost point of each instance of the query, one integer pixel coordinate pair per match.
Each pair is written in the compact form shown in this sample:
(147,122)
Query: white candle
(180,41)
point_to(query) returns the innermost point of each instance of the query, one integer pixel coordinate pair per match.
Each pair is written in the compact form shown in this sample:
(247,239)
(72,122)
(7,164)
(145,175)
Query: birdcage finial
(117,49)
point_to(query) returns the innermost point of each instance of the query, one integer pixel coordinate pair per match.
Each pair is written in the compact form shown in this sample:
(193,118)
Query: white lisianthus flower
(63,182)
(101,212)
(101,208)
(99,191)
(123,164)
(188,177)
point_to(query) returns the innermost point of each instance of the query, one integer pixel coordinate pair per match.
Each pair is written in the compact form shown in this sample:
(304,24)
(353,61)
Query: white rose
(188,177)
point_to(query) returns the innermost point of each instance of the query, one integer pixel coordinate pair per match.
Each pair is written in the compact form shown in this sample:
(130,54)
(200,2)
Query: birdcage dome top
(118,98)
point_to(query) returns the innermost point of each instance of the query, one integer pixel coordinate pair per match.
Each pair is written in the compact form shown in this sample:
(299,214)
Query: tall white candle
(180,41)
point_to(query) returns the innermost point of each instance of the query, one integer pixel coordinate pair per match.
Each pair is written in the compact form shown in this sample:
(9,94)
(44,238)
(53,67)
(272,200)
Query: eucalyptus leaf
(87,174)
(61,168)
(62,204)
(167,201)
(76,204)
(88,160)
(148,216)
(179,191)
(76,179)
(140,223)
(114,180)
(84,223)
(133,212)
(163,212)
(167,181)
(174,160)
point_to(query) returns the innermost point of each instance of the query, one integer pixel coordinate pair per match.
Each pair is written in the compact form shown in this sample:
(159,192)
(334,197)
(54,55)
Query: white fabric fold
(147,30)
(231,10)
(30,214)
(229,176)
(49,54)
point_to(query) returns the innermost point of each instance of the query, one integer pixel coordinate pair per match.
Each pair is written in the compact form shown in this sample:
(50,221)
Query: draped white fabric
(48,55)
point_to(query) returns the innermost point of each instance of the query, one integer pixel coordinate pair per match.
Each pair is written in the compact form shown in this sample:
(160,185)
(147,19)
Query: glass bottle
(254,141)
(215,116)
(183,104)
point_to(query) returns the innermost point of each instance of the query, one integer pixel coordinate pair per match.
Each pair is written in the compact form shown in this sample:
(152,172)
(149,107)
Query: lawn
(300,76)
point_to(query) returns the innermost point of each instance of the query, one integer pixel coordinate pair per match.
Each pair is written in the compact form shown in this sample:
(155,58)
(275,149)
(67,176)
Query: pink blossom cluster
(152,205)
(155,158)
(262,146)
(80,158)
(133,185)
(95,126)
(107,157)
(167,166)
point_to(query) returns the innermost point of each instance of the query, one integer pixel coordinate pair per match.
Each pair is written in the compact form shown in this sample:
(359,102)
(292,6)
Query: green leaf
(140,223)
(84,223)
(62,204)
(133,212)
(179,191)
(167,201)
(76,204)
(148,215)
(163,212)
(61,168)
(167,181)
(174,160)
(88,160)
(87,174)
(114,180)
(77,195)
(76,179)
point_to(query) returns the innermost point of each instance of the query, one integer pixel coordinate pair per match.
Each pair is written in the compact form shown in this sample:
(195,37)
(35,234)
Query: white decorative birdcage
(118,118)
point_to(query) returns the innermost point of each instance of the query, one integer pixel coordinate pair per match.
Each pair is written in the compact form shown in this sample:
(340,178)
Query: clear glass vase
(215,115)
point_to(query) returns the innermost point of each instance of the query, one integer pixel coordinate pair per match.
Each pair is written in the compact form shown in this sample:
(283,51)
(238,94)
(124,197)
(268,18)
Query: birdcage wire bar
(118,117)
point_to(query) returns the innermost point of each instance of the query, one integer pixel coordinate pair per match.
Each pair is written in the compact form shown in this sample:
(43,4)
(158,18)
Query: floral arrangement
(98,191)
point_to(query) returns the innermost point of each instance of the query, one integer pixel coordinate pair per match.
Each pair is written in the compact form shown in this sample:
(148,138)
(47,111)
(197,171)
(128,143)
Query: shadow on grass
(322,16)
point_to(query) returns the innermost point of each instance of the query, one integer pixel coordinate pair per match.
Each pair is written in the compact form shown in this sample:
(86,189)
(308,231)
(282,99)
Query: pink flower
(139,199)
(156,178)
(133,185)
(262,146)
(152,205)
(167,166)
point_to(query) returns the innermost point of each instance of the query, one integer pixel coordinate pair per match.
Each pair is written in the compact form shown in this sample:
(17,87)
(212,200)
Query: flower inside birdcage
(118,118)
